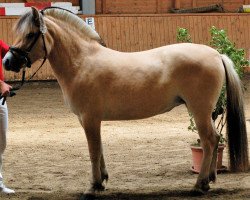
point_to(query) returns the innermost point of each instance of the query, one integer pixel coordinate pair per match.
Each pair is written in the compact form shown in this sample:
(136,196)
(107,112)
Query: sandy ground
(47,156)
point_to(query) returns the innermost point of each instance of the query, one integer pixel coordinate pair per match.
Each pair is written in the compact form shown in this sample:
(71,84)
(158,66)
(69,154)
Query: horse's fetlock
(105,177)
(212,177)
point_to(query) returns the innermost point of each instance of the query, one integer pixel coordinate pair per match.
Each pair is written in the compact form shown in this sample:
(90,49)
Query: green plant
(221,42)
(223,45)
(183,35)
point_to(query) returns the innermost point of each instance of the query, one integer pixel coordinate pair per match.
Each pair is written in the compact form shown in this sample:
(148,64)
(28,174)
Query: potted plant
(221,42)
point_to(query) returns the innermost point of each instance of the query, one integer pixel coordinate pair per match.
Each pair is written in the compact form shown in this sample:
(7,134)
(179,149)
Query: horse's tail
(236,123)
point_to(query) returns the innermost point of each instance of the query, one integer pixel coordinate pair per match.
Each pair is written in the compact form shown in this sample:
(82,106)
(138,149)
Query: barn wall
(147,6)
(161,6)
(142,32)
(133,6)
(74,2)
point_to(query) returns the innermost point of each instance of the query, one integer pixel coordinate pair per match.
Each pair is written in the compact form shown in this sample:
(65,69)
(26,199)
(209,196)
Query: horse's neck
(67,53)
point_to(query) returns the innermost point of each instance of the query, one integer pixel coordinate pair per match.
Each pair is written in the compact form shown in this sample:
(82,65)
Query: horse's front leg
(99,173)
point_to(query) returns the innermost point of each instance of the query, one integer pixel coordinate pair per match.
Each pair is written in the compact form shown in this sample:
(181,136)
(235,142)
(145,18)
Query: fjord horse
(99,84)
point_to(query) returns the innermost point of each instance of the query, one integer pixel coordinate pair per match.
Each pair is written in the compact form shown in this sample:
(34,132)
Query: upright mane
(73,20)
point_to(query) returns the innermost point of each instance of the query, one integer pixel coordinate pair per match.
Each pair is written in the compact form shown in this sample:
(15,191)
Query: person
(5,91)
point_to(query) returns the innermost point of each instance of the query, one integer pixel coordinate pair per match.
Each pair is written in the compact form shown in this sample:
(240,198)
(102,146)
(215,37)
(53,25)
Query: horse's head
(30,30)
(29,43)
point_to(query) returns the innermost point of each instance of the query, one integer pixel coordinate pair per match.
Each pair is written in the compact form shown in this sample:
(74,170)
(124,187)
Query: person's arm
(4,87)
(4,48)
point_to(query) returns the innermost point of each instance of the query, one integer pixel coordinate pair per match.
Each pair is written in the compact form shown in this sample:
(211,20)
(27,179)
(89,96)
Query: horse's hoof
(197,192)
(205,187)
(200,189)
(98,187)
(87,197)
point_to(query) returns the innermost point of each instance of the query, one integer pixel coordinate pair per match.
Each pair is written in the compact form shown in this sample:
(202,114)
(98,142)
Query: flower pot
(197,154)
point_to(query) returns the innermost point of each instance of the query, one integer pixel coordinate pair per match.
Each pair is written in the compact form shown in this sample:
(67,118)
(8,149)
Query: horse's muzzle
(13,63)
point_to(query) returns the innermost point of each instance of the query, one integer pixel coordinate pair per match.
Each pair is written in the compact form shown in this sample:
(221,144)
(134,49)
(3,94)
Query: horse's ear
(35,14)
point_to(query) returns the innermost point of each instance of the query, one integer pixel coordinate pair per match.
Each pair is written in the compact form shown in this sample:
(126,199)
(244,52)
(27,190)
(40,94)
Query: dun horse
(99,84)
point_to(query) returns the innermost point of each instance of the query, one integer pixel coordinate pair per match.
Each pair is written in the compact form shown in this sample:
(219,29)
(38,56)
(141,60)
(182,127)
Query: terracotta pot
(197,154)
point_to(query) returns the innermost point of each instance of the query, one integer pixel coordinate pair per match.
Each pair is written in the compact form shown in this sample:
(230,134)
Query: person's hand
(4,89)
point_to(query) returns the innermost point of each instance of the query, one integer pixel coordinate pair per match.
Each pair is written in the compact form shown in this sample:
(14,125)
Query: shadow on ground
(176,194)
(218,194)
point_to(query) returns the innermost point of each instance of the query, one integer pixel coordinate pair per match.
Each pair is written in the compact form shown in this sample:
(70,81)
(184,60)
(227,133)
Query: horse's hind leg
(99,173)
(213,167)
(209,142)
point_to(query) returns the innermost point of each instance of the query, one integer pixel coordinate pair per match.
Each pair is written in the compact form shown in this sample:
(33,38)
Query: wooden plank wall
(146,6)
(141,32)
(133,6)
(228,5)
(161,6)
(74,2)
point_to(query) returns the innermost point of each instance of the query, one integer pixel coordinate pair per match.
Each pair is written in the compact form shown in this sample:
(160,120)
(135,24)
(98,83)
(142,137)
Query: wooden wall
(74,2)
(133,6)
(228,5)
(161,6)
(147,6)
(142,32)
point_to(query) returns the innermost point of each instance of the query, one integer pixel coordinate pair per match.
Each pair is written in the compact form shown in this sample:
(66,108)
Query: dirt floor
(47,156)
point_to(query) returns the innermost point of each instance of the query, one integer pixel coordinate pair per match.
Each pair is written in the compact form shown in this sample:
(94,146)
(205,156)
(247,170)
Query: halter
(23,55)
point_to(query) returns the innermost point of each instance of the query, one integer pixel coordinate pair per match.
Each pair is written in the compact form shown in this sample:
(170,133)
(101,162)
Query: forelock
(25,24)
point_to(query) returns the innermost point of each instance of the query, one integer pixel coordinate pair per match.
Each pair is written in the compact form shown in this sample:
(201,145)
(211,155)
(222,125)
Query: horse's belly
(133,115)
(130,110)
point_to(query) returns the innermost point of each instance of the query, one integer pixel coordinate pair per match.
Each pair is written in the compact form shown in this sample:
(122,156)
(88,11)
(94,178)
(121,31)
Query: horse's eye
(30,35)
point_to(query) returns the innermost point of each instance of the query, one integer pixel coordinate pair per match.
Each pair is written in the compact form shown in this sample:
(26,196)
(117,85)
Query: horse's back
(187,57)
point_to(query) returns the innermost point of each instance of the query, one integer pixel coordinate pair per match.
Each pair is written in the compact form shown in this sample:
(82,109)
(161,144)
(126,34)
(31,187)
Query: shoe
(6,190)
